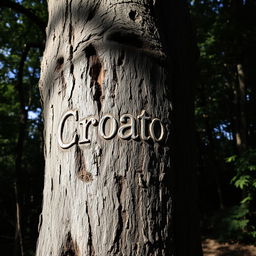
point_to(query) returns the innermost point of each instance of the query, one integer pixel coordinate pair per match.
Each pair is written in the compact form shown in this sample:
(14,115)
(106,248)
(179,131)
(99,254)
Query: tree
(116,86)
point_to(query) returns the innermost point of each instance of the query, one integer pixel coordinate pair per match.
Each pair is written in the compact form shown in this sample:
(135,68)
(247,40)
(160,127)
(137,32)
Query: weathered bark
(103,194)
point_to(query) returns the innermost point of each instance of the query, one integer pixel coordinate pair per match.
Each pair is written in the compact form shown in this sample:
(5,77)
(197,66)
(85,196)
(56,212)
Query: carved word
(127,129)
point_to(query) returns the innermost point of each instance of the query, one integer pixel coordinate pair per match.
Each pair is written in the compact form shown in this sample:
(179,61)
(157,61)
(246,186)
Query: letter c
(62,144)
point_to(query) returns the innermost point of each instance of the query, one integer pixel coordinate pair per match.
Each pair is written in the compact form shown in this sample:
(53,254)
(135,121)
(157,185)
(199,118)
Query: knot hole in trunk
(69,247)
(96,73)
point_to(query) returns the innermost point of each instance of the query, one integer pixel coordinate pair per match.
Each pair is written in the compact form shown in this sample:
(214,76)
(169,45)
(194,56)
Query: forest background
(225,119)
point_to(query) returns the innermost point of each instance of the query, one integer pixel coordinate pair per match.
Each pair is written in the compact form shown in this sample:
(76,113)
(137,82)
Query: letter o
(152,130)
(61,128)
(114,127)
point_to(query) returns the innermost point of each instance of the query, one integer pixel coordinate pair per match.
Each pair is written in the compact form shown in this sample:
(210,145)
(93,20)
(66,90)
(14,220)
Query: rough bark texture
(113,196)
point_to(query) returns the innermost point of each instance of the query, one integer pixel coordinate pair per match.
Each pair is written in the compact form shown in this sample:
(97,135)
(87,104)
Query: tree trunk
(18,192)
(107,86)
(240,98)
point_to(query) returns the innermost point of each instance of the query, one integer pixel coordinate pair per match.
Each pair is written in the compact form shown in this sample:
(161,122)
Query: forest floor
(212,247)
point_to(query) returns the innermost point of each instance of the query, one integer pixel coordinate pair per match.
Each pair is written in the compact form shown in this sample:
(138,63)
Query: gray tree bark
(106,86)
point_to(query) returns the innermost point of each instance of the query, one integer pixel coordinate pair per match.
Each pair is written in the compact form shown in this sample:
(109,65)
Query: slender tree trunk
(105,84)
(241,126)
(18,240)
(215,163)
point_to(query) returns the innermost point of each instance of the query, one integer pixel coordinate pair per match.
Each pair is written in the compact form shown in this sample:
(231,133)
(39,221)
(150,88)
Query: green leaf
(252,168)
(242,182)
(231,159)
(246,199)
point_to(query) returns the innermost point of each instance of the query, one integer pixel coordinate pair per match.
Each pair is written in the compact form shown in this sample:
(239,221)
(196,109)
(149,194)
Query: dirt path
(214,248)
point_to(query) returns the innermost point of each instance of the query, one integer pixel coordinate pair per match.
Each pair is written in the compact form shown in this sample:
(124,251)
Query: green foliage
(231,224)
(245,180)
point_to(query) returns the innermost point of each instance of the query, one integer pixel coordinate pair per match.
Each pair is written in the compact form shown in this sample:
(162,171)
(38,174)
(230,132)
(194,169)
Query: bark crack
(65,16)
(59,174)
(82,41)
(69,247)
(129,2)
(97,74)
(63,84)
(117,244)
(90,244)
(71,36)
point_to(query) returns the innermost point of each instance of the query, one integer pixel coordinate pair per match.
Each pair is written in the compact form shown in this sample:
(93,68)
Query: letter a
(127,126)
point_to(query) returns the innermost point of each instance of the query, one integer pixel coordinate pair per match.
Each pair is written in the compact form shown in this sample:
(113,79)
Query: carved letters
(143,127)
(113,126)
(126,127)
(63,120)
